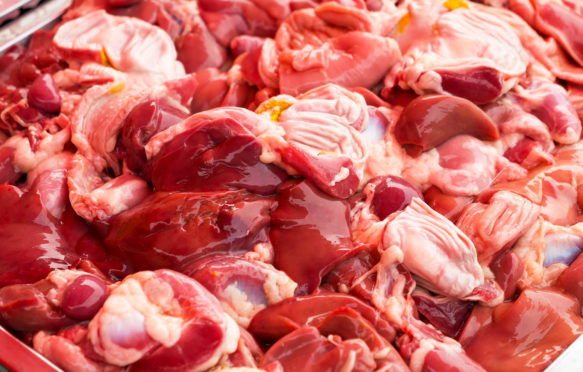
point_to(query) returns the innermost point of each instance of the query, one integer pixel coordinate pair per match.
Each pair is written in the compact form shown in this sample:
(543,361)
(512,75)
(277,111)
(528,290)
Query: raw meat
(443,55)
(295,185)
(314,47)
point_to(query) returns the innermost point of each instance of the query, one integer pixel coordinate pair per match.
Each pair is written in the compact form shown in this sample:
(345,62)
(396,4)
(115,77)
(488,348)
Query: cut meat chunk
(468,166)
(227,18)
(321,137)
(559,19)
(100,115)
(30,239)
(430,120)
(127,44)
(152,318)
(310,233)
(244,287)
(314,352)
(418,231)
(498,224)
(145,120)
(546,250)
(214,155)
(547,52)
(97,198)
(521,337)
(24,151)
(550,103)
(278,320)
(66,350)
(171,230)
(317,46)
(445,313)
(443,55)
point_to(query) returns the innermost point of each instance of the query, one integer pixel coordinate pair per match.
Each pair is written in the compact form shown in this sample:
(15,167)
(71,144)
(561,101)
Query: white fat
(60,279)
(418,170)
(26,160)
(238,305)
(434,249)
(350,362)
(340,176)
(262,252)
(278,286)
(129,306)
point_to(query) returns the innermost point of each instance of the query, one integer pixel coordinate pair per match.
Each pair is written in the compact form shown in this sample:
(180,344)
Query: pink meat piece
(146,119)
(442,54)
(172,230)
(317,46)
(245,358)
(162,319)
(528,154)
(66,350)
(187,46)
(390,287)
(559,203)
(314,310)
(570,280)
(321,137)
(332,314)
(100,114)
(244,287)
(232,88)
(497,225)
(550,103)
(128,44)
(545,52)
(509,342)
(468,166)
(564,168)
(314,352)
(196,46)
(24,151)
(96,197)
(446,314)
(245,43)
(8,173)
(51,185)
(560,19)
(31,241)
(60,161)
(254,123)
(513,120)
(526,139)
(212,88)
(353,274)
(418,231)
(31,307)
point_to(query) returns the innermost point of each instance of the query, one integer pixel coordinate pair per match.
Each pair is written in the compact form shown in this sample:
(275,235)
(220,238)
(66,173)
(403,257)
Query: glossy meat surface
(294,185)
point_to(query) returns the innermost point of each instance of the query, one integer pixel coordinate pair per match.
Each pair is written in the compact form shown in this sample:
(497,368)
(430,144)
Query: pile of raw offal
(295,185)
